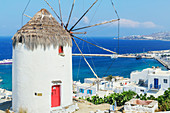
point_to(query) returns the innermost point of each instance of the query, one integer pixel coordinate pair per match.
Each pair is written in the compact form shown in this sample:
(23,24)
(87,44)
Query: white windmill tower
(42,62)
(42,65)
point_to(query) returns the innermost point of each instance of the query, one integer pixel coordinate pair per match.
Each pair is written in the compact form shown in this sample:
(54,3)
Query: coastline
(142,39)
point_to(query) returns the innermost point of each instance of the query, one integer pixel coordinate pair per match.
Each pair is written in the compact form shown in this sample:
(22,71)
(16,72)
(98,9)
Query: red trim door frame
(55,96)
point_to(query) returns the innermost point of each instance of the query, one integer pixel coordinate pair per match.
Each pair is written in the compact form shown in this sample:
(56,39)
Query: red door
(55,96)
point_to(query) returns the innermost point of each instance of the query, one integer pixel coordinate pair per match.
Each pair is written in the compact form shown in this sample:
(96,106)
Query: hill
(155,36)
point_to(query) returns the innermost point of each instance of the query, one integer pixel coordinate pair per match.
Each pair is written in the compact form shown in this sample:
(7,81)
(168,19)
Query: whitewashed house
(140,106)
(141,77)
(90,80)
(151,81)
(103,84)
(86,90)
(136,88)
(159,80)
(42,66)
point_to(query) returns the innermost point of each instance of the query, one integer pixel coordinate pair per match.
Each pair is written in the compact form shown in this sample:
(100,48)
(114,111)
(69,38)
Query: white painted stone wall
(34,71)
(160,78)
(136,89)
(135,76)
(79,94)
(90,81)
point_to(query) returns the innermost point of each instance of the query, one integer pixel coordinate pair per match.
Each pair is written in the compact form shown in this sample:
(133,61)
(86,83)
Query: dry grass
(44,30)
(22,110)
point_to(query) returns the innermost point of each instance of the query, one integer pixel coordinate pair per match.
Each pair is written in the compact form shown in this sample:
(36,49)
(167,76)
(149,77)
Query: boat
(138,57)
(6,61)
(114,56)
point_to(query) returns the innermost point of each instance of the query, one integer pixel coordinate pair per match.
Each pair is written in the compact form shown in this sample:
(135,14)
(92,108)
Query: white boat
(114,56)
(6,61)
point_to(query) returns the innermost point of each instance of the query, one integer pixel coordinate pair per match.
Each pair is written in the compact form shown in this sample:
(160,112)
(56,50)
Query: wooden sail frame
(70,14)
(83,15)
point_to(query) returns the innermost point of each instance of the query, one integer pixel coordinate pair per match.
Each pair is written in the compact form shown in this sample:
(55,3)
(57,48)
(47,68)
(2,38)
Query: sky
(137,17)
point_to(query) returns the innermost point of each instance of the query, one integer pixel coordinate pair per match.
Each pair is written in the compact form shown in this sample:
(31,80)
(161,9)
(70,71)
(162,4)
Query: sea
(103,66)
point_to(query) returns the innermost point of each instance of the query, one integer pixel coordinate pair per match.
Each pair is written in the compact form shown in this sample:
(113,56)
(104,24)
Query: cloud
(86,20)
(135,24)
(75,19)
(149,25)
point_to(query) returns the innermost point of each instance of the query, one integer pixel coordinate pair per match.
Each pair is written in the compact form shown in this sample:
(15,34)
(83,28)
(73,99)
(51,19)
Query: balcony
(155,87)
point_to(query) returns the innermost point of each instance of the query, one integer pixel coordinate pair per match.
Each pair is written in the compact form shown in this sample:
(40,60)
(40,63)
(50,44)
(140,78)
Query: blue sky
(138,17)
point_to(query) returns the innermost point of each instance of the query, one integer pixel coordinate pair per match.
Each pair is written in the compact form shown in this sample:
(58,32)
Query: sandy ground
(86,107)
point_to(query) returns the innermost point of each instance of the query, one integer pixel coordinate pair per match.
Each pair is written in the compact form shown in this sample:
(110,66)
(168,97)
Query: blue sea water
(103,66)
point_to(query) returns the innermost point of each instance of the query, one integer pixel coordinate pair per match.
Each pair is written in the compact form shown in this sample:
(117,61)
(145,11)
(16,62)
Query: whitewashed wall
(160,78)
(79,94)
(135,76)
(33,72)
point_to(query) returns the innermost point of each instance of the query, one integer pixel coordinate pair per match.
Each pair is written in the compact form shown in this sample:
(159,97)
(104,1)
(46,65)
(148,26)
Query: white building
(86,90)
(150,55)
(105,87)
(136,88)
(42,66)
(159,80)
(142,76)
(140,106)
(150,80)
(90,80)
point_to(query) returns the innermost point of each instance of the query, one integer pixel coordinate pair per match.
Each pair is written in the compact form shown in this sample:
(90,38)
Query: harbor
(110,55)
(157,55)
(163,63)
(149,55)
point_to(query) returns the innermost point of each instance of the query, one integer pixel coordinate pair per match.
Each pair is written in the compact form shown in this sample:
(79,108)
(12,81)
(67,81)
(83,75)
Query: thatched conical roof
(43,30)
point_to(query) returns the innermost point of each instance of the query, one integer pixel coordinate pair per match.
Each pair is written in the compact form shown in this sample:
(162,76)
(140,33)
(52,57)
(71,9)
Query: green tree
(109,78)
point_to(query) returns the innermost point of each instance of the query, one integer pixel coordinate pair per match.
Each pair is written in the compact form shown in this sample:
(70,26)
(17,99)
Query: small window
(20,40)
(81,90)
(89,91)
(103,83)
(165,81)
(142,90)
(60,49)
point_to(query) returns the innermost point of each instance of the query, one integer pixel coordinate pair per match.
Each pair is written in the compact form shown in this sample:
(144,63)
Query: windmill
(73,31)
(42,61)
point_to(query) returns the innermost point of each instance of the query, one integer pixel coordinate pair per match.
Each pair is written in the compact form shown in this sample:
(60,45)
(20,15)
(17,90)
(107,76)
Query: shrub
(120,98)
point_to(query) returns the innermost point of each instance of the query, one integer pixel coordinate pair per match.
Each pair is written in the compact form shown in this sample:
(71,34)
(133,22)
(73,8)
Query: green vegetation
(120,98)
(165,55)
(109,78)
(163,100)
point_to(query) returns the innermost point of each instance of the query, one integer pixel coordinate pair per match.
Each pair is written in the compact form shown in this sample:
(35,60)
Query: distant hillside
(155,36)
